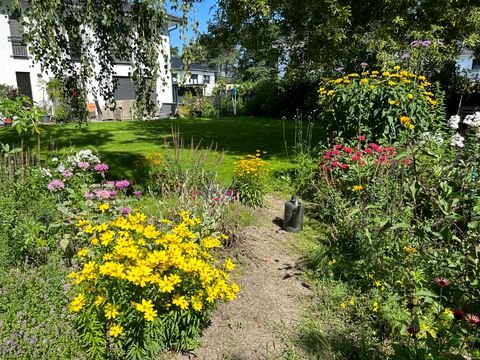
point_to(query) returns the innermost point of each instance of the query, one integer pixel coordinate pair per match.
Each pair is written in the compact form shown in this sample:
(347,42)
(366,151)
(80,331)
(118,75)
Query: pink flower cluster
(101,168)
(122,184)
(83,165)
(342,156)
(105,194)
(56,185)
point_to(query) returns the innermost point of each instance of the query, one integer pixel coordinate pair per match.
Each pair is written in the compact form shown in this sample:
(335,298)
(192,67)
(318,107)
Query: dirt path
(253,326)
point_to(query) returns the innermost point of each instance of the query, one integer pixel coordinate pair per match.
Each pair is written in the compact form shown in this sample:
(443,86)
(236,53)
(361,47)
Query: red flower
(336,152)
(335,163)
(457,314)
(348,150)
(375,147)
(442,282)
(326,157)
(407,161)
(355,158)
(361,138)
(472,319)
(412,329)
(383,159)
(359,153)
(368,150)
(338,146)
(344,166)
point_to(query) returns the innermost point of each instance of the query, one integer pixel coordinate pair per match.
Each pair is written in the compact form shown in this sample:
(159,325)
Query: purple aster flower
(406,56)
(67,174)
(113,193)
(55,185)
(125,211)
(122,184)
(339,69)
(137,193)
(100,168)
(416,43)
(83,165)
(88,195)
(426,43)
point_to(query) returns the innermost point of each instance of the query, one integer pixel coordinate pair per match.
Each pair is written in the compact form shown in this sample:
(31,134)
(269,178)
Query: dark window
(125,89)
(476,64)
(19,49)
(194,79)
(206,79)
(23,84)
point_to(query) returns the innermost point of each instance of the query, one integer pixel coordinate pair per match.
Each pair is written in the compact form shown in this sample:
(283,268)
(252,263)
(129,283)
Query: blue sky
(204,12)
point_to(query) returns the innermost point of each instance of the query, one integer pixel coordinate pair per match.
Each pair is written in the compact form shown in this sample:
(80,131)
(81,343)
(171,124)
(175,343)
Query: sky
(204,12)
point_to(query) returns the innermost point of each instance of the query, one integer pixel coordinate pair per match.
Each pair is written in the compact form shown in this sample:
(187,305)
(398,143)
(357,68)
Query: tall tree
(82,39)
(313,36)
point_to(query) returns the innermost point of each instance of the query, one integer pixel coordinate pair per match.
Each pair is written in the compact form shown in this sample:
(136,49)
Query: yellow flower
(364,81)
(375,72)
(116,330)
(396,68)
(100,299)
(357,187)
(392,83)
(338,81)
(410,250)
(343,305)
(82,252)
(180,301)
(329,92)
(77,303)
(405,120)
(229,265)
(391,102)
(431,101)
(422,78)
(146,307)
(352,301)
(375,306)
(332,262)
(111,311)
(411,126)
(103,207)
(410,96)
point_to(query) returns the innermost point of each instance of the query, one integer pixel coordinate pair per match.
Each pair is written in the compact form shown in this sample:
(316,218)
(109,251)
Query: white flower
(54,159)
(60,168)
(45,172)
(454,121)
(457,140)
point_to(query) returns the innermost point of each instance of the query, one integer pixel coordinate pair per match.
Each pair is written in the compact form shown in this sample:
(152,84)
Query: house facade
(20,71)
(469,63)
(199,80)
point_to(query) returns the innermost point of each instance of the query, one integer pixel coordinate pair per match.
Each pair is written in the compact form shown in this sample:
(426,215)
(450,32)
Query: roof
(177,64)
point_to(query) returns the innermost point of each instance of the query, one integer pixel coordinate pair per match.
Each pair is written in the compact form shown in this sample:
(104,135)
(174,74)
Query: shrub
(249,180)
(372,103)
(142,288)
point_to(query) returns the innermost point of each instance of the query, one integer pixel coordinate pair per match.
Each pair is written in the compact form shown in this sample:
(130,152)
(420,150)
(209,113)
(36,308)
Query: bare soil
(255,325)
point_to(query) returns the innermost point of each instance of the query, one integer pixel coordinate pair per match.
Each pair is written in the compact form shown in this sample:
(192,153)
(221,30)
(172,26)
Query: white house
(471,64)
(20,71)
(199,80)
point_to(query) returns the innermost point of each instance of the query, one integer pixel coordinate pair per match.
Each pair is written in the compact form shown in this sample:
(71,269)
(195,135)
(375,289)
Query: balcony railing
(19,48)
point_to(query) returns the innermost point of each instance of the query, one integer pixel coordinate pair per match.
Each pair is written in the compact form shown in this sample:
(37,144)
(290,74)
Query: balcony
(19,48)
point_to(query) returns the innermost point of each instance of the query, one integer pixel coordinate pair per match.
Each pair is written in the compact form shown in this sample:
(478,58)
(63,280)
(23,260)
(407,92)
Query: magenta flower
(103,194)
(83,165)
(100,168)
(122,184)
(472,319)
(56,185)
(67,174)
(361,138)
(137,193)
(125,211)
(442,282)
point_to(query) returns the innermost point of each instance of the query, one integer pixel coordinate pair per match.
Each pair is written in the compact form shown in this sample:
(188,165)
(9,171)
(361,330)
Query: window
(125,88)
(23,84)
(175,77)
(476,64)
(206,79)
(194,79)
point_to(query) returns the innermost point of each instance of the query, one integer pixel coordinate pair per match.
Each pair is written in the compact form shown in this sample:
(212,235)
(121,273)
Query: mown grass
(120,144)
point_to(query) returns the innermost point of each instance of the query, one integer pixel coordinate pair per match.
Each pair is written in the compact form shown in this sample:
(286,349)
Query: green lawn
(121,143)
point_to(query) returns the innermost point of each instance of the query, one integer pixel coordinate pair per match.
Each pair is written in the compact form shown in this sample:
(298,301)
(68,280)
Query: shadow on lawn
(238,136)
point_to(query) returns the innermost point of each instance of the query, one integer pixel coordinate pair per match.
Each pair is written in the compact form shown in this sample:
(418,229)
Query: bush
(147,287)
(249,181)
(374,103)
